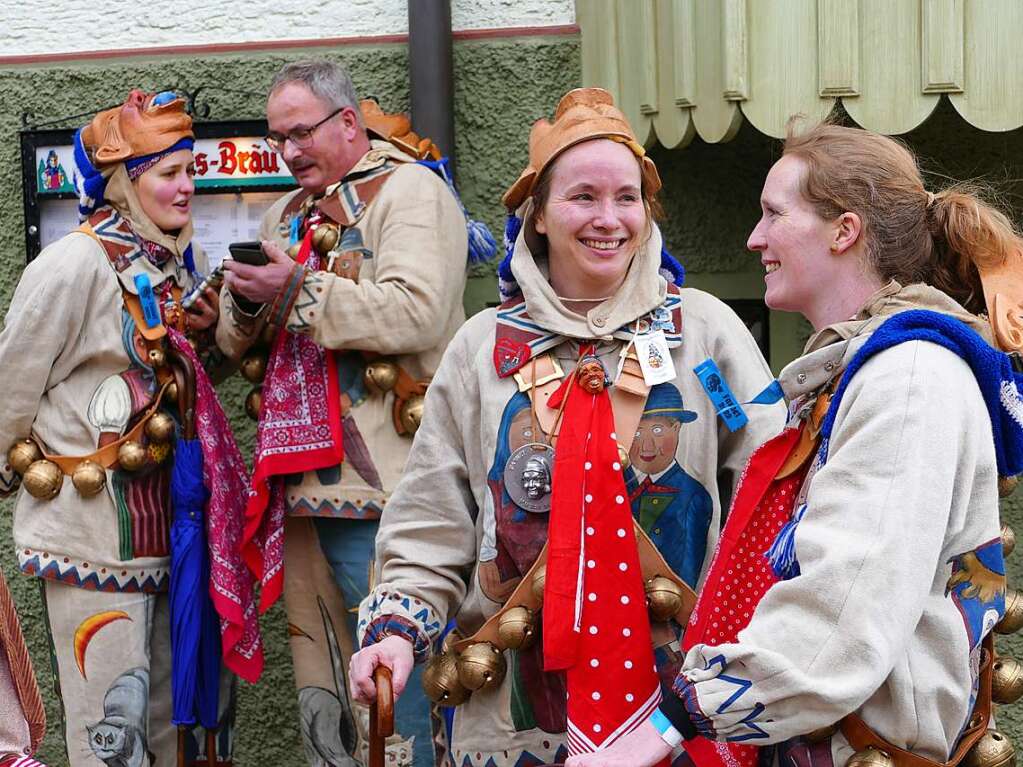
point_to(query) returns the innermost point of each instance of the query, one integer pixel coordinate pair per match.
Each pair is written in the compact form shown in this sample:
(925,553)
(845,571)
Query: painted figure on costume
(671,507)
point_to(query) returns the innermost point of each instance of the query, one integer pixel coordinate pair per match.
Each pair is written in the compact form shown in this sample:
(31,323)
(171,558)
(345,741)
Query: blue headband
(136,166)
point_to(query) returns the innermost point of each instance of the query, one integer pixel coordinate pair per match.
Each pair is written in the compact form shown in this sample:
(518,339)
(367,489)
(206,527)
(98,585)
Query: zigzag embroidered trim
(81,574)
(302,311)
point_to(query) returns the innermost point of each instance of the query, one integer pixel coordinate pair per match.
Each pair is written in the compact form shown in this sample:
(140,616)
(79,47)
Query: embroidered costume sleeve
(236,329)
(420,239)
(46,315)
(427,539)
(885,515)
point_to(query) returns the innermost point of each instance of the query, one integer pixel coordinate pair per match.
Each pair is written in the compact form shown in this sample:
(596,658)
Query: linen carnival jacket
(72,369)
(874,623)
(405,304)
(452,544)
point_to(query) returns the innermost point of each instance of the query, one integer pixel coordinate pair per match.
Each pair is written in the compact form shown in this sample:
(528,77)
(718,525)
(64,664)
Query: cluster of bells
(993,749)
(44,479)
(381,376)
(451,677)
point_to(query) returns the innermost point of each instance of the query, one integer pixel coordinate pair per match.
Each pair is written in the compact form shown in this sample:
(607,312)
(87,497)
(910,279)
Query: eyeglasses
(300,137)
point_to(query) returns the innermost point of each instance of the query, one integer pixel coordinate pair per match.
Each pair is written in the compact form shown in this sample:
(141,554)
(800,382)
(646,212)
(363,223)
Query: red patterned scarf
(762,506)
(299,430)
(225,476)
(595,622)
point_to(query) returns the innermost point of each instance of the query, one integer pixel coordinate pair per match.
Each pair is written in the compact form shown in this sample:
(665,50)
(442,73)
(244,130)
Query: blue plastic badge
(150,310)
(720,395)
(773,393)
(293,234)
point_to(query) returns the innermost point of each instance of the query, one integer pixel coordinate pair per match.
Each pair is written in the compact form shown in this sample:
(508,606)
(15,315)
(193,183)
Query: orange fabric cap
(582,114)
(135,129)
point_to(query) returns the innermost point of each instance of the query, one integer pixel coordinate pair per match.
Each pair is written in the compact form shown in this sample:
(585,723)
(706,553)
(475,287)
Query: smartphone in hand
(250,253)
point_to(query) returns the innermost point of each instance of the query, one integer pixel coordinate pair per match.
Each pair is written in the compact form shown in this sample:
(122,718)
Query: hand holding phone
(250,253)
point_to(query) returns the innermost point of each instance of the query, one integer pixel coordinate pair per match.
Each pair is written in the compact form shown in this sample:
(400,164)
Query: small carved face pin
(592,376)
(536,479)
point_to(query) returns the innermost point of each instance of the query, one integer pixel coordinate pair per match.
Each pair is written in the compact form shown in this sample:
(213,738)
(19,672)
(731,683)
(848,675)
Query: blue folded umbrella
(195,634)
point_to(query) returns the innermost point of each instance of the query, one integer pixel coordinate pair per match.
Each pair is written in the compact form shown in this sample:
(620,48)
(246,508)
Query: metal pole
(431,73)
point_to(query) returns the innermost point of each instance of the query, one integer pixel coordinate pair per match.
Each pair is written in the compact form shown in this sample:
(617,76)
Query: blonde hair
(911,234)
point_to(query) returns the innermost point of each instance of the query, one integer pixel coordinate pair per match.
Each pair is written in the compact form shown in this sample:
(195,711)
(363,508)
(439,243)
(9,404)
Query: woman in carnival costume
(531,506)
(100,366)
(846,617)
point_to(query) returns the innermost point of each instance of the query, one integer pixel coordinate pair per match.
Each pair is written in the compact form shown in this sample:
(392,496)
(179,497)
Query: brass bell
(1006,680)
(992,750)
(268,333)
(623,456)
(325,237)
(157,358)
(870,757)
(440,680)
(1012,621)
(821,733)
(254,403)
(131,455)
(663,598)
(160,427)
(1008,540)
(253,367)
(171,392)
(88,478)
(481,666)
(411,413)
(1007,486)
(380,376)
(43,479)
(538,583)
(515,628)
(23,454)
(293,250)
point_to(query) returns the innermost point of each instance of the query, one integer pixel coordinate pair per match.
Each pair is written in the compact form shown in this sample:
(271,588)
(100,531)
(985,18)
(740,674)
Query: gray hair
(328,81)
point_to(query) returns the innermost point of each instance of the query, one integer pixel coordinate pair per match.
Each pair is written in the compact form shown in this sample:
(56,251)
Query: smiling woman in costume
(866,535)
(96,356)
(531,511)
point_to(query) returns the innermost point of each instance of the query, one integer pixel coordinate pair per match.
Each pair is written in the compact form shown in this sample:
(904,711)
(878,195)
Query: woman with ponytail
(852,595)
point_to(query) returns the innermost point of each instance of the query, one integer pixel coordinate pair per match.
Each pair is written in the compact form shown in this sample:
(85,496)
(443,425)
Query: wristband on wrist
(666,729)
(675,713)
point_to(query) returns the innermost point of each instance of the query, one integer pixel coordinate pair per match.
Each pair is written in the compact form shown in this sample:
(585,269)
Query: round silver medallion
(527,477)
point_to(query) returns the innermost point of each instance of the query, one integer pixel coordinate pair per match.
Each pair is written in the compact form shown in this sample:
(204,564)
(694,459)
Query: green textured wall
(501,88)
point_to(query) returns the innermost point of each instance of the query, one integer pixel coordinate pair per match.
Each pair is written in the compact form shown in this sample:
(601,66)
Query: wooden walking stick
(381,716)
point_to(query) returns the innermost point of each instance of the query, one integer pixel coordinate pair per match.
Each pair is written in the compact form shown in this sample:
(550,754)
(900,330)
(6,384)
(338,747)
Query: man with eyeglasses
(365,274)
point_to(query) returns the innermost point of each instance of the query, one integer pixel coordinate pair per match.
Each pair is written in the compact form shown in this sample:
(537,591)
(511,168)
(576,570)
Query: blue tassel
(782,554)
(482,246)
(673,267)
(88,179)
(506,283)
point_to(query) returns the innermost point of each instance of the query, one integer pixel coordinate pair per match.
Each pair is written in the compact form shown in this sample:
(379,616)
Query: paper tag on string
(655,358)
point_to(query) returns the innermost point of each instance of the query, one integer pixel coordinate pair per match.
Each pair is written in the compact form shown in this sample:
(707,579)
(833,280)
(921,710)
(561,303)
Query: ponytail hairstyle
(911,235)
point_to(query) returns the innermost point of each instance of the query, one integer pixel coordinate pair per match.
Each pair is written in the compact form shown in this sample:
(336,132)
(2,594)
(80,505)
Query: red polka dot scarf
(595,617)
